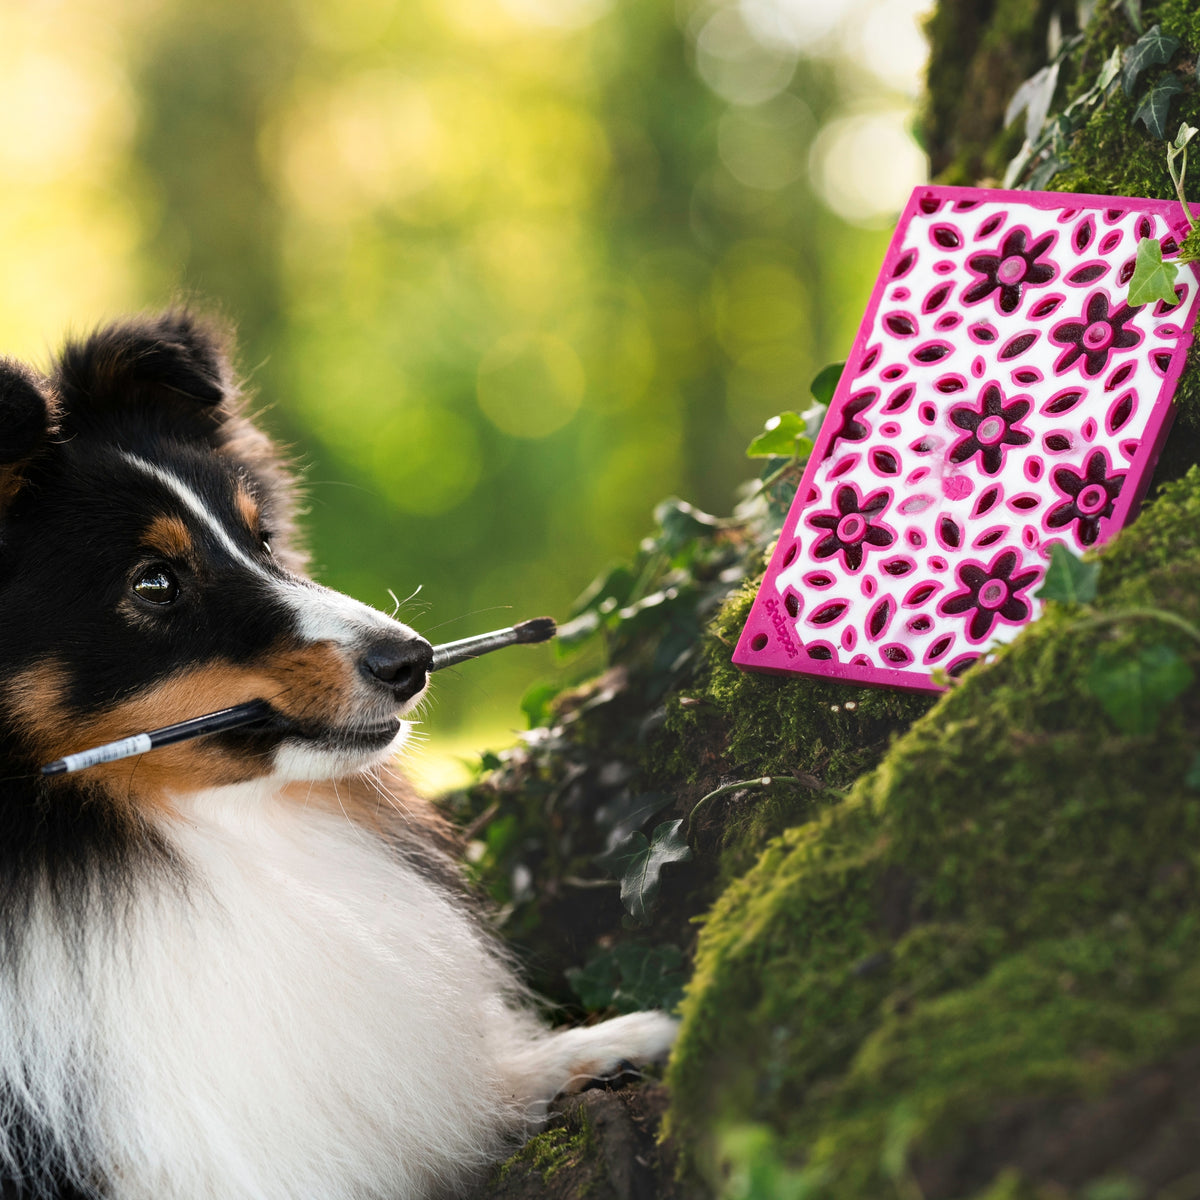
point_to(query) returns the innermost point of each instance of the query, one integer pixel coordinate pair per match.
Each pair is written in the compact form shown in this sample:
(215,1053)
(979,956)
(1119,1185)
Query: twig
(1146,614)
(764,781)
(477,825)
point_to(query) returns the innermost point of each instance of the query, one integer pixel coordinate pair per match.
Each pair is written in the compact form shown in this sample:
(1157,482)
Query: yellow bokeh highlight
(426,460)
(530,384)
(758,299)
(371,141)
(71,212)
(529,266)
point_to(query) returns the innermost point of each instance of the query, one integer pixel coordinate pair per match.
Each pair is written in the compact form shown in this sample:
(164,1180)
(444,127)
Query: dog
(241,966)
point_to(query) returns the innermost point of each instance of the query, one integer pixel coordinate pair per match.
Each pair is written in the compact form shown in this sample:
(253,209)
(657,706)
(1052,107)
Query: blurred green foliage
(506,273)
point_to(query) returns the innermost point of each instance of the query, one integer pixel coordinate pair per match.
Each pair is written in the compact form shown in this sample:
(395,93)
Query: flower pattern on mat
(990,594)
(1096,336)
(990,427)
(1003,393)
(1091,496)
(852,526)
(1010,270)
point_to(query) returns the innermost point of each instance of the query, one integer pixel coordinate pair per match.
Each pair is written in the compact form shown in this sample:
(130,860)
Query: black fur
(25,412)
(174,356)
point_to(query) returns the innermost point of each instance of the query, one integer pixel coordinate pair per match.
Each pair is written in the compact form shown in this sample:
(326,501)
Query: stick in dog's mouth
(449,654)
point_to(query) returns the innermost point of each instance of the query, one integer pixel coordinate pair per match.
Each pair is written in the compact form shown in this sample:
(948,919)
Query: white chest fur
(309,1017)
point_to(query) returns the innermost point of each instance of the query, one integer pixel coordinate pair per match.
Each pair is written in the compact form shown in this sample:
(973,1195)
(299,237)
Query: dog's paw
(601,1051)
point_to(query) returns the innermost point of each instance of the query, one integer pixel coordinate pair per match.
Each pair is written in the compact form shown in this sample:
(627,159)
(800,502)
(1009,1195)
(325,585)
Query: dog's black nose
(401,664)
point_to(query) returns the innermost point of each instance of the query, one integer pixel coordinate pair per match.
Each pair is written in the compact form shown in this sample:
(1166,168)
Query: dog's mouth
(362,736)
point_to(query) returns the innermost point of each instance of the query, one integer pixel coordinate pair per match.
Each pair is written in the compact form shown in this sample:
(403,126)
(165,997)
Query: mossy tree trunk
(950,951)
(980,51)
(976,976)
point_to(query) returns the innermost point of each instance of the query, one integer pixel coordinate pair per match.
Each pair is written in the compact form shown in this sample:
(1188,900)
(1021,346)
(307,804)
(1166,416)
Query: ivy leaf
(575,632)
(1155,108)
(1152,278)
(784,435)
(1133,10)
(595,983)
(615,585)
(651,976)
(1185,134)
(638,863)
(1016,168)
(1034,97)
(535,704)
(1152,49)
(1044,172)
(681,523)
(1110,70)
(1136,687)
(1069,580)
(826,381)
(650,611)
(630,978)
(626,812)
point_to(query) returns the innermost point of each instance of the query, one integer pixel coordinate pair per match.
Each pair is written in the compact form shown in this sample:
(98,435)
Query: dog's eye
(266,541)
(157,585)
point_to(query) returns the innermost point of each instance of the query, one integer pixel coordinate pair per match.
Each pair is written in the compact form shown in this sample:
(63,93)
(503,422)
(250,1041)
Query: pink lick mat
(1001,396)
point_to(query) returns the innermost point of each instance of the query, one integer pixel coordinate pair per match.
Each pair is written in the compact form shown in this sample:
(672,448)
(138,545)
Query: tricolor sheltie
(241,966)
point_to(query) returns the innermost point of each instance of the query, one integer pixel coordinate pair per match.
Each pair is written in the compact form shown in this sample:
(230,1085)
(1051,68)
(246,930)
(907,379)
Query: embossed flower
(1010,271)
(1091,496)
(991,594)
(990,428)
(852,526)
(1095,337)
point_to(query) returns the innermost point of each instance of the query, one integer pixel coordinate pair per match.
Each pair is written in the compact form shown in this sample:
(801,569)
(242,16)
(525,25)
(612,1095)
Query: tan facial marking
(247,506)
(11,481)
(315,685)
(168,536)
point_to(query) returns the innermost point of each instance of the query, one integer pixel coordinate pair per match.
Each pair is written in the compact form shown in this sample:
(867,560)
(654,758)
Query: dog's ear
(175,359)
(28,415)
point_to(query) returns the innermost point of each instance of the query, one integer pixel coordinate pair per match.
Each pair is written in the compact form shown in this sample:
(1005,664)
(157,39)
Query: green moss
(563,1150)
(755,724)
(549,1152)
(1180,19)
(1003,908)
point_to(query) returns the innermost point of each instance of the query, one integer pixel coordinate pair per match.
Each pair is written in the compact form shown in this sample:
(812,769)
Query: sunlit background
(507,272)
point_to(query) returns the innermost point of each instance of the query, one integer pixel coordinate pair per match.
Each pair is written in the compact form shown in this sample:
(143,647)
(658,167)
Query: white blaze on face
(192,501)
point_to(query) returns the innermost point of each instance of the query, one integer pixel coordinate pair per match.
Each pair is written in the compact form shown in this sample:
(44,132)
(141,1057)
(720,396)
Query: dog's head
(149,573)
